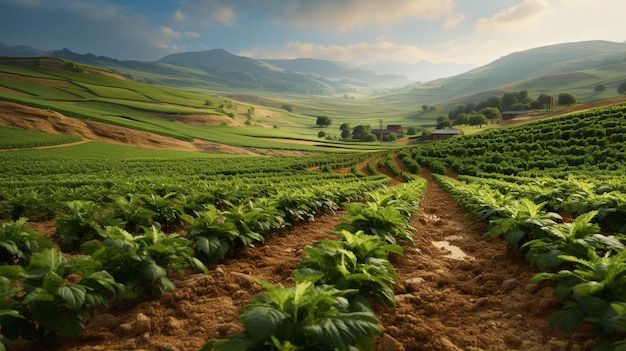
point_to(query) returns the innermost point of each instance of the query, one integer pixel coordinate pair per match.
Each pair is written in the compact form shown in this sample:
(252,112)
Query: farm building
(440,134)
(391,129)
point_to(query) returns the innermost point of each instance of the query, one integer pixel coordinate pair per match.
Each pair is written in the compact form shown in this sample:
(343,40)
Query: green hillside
(93,94)
(575,68)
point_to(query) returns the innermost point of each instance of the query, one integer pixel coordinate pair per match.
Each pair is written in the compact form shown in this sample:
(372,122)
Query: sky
(471,32)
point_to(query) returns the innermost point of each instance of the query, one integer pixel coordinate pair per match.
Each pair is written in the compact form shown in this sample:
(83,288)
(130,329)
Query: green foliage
(81,222)
(571,239)
(58,295)
(16,138)
(384,221)
(305,317)
(323,121)
(359,261)
(594,283)
(523,220)
(141,262)
(210,233)
(566,99)
(18,242)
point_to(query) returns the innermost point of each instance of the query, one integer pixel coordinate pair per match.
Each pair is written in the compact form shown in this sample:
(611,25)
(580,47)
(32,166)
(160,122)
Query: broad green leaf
(151,270)
(167,284)
(73,295)
(567,319)
(514,237)
(49,258)
(263,321)
(588,288)
(38,294)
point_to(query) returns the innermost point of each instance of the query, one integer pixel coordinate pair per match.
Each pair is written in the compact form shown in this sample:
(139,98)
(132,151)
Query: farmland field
(509,239)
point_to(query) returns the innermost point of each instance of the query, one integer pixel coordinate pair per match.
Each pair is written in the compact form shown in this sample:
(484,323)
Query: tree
(491,113)
(369,137)
(390,137)
(566,99)
(462,119)
(622,88)
(287,108)
(345,130)
(599,88)
(323,121)
(477,119)
(411,131)
(321,134)
(424,108)
(509,99)
(360,130)
(443,123)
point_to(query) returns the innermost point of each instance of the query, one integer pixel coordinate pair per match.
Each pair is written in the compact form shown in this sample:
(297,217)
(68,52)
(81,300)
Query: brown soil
(481,302)
(16,115)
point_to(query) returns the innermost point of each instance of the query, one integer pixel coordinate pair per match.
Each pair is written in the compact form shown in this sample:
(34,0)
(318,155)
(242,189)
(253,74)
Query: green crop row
(121,250)
(589,266)
(17,138)
(337,283)
(579,143)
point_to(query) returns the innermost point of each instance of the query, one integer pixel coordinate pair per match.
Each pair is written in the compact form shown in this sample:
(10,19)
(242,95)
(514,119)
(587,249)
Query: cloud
(514,16)
(383,50)
(205,13)
(453,20)
(333,15)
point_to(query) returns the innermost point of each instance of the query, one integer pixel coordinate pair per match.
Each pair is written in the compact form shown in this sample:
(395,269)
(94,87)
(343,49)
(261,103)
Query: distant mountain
(341,72)
(220,70)
(539,68)
(422,71)
(20,51)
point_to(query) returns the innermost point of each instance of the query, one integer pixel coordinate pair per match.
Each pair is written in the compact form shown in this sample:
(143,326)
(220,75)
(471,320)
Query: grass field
(17,138)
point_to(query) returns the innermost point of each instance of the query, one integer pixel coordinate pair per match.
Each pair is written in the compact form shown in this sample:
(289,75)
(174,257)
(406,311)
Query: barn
(440,134)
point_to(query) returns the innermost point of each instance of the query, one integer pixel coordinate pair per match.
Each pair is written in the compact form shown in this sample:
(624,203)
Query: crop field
(333,251)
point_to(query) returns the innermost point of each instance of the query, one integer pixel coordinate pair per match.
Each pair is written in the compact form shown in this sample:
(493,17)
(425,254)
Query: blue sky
(460,31)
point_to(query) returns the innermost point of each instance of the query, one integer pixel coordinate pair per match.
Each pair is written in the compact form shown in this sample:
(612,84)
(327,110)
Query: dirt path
(481,302)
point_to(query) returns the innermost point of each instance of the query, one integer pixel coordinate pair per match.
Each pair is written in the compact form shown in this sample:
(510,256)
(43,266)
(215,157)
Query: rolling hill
(573,67)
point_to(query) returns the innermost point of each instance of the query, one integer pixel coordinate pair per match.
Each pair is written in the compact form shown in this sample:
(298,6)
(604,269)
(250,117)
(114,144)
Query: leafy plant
(58,296)
(18,242)
(384,221)
(573,239)
(211,234)
(524,221)
(10,308)
(81,222)
(593,283)
(359,262)
(130,212)
(250,222)
(165,210)
(305,317)
(141,262)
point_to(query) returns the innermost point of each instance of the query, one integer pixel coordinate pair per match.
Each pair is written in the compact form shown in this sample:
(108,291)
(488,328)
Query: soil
(482,301)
